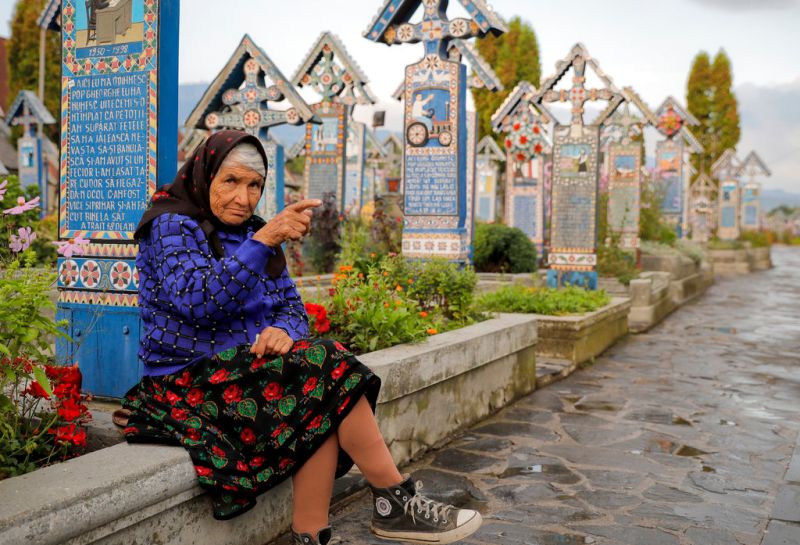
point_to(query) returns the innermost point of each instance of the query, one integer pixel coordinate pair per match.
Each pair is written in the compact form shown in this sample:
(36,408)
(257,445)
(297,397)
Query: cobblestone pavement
(682,435)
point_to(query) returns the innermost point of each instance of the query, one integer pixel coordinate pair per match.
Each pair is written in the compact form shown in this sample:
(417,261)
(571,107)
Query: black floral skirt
(248,422)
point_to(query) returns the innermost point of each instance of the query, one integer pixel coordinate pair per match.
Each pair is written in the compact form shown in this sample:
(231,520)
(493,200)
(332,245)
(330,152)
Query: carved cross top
(247,106)
(578,94)
(629,123)
(435,30)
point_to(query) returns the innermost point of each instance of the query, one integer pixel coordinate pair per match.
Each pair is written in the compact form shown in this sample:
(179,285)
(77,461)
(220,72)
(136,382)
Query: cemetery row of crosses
(558,153)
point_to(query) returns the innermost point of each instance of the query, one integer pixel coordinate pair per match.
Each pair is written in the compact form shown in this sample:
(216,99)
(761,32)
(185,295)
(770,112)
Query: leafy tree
(514,56)
(23,59)
(710,98)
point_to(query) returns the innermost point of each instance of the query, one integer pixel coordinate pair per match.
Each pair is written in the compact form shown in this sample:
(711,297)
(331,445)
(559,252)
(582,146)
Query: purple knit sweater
(194,305)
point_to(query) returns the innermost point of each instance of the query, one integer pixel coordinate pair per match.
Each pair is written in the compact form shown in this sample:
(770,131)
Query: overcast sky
(643,43)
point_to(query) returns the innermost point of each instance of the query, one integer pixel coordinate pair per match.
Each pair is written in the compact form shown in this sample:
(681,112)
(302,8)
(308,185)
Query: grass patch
(547,301)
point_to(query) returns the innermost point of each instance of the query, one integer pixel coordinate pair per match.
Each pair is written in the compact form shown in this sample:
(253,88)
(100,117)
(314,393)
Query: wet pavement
(683,435)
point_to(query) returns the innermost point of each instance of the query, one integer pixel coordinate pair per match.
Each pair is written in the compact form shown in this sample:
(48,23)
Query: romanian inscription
(574,211)
(431,185)
(107,157)
(525,214)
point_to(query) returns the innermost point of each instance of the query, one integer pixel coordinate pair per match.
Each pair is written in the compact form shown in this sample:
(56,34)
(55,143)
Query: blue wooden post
(118,142)
(436,212)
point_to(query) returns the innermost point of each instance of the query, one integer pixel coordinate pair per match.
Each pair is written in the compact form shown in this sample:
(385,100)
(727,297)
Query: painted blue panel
(484,208)
(583,279)
(671,187)
(750,215)
(432,185)
(108,152)
(525,214)
(728,217)
(106,348)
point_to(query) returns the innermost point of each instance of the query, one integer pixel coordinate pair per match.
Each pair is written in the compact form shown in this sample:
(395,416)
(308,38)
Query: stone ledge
(145,494)
(580,338)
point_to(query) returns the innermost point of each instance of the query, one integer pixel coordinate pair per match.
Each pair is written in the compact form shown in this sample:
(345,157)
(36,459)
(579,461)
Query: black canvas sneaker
(401,513)
(324,537)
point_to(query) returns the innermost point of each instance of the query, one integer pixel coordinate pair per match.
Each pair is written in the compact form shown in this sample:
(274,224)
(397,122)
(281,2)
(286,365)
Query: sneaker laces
(426,506)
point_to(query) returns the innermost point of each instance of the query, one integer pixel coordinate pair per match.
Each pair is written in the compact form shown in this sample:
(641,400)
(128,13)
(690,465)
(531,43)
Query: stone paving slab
(680,436)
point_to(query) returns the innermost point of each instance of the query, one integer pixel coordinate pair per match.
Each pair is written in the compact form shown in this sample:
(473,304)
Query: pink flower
(3,189)
(22,206)
(71,246)
(23,241)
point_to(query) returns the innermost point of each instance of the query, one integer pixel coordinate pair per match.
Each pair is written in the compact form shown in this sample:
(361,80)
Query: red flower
(258,461)
(273,391)
(344,404)
(339,371)
(194,397)
(173,398)
(322,326)
(202,471)
(185,380)
(277,431)
(220,376)
(309,386)
(248,436)
(257,362)
(70,434)
(523,139)
(218,452)
(232,394)
(317,422)
(339,346)
(193,434)
(537,148)
(242,466)
(301,345)
(536,129)
(517,126)
(509,143)
(35,390)
(69,410)
(331,292)
(285,463)
(64,391)
(180,414)
(229,487)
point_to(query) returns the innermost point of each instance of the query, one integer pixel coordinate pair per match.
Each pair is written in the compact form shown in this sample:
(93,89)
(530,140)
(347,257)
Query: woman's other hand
(292,223)
(273,341)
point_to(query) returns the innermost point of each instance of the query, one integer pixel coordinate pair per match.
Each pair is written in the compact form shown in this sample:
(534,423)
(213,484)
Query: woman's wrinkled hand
(273,341)
(292,223)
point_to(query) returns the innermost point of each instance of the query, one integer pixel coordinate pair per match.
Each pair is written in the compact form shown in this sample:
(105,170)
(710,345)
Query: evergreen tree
(698,100)
(23,59)
(710,98)
(514,56)
(725,107)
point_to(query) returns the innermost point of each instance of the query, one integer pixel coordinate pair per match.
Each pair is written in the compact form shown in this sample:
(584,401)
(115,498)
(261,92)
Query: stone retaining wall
(742,261)
(146,494)
(580,338)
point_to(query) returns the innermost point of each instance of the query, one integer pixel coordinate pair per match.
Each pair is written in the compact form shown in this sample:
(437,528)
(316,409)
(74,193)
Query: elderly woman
(228,373)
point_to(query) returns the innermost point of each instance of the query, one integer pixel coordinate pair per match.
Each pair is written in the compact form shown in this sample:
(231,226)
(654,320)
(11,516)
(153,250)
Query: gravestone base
(560,279)
(452,245)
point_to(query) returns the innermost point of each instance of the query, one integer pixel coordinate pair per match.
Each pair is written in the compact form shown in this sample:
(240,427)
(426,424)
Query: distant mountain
(773,198)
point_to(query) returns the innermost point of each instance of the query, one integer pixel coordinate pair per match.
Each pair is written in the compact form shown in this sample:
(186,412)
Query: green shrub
(757,239)
(692,250)
(386,227)
(322,246)
(438,284)
(651,224)
(503,249)
(547,301)
(355,243)
(653,247)
(717,244)
(614,261)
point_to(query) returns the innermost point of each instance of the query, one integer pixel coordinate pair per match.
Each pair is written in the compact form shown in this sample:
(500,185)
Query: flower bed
(545,301)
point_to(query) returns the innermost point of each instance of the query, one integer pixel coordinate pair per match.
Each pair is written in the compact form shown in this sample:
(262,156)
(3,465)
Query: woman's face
(234,194)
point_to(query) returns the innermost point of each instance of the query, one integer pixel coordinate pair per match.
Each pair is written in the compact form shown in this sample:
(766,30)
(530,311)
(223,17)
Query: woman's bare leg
(361,439)
(313,488)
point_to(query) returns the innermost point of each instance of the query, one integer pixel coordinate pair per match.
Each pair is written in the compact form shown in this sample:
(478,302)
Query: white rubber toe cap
(465,515)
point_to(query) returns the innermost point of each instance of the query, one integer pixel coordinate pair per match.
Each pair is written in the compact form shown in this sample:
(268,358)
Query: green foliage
(514,56)
(442,286)
(499,248)
(23,60)
(356,244)
(717,244)
(651,224)
(654,247)
(614,261)
(692,250)
(296,165)
(710,98)
(386,227)
(757,239)
(547,301)
(322,245)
